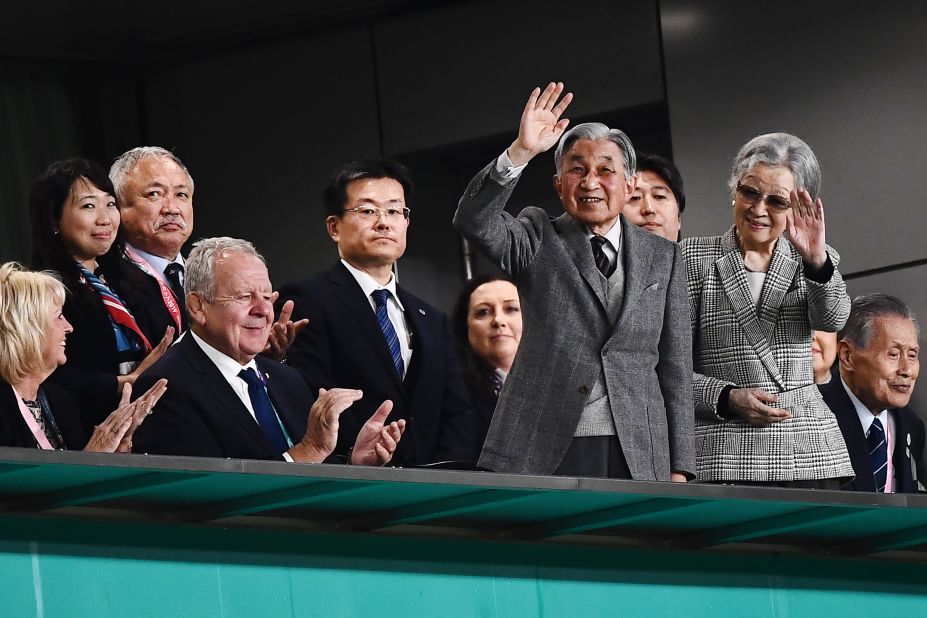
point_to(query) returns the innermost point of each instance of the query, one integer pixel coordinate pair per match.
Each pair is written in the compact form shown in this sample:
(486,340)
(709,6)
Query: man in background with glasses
(367,333)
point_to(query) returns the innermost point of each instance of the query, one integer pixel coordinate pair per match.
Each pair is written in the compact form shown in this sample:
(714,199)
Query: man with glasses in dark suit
(367,333)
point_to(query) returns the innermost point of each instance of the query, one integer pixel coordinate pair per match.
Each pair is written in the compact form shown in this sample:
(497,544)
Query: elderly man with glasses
(367,333)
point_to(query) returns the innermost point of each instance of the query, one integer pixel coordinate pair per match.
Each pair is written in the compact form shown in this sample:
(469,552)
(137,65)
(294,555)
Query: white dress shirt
(229,368)
(159,263)
(394,310)
(888,423)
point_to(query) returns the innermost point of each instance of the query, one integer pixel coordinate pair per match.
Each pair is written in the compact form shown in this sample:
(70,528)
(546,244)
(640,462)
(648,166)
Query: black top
(64,408)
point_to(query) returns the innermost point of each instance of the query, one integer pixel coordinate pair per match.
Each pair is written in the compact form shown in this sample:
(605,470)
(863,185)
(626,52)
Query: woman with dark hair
(487,330)
(75,231)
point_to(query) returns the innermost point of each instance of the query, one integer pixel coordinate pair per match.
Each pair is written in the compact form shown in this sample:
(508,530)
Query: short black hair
(336,193)
(665,169)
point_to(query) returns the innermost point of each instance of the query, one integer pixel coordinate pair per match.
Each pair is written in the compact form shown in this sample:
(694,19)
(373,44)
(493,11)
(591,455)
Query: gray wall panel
(261,129)
(848,78)
(461,72)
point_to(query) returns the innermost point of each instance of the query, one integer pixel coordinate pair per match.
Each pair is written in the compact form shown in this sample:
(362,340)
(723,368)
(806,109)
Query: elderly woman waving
(756,293)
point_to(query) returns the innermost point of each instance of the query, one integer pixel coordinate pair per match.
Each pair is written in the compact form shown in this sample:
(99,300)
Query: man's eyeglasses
(752,196)
(372,213)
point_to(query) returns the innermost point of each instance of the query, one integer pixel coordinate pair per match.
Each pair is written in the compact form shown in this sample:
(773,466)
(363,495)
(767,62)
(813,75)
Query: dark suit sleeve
(310,353)
(174,427)
(674,370)
(460,437)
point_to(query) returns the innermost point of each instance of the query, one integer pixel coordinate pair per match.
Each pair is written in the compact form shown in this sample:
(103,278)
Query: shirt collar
(368,284)
(613,235)
(228,366)
(158,263)
(865,416)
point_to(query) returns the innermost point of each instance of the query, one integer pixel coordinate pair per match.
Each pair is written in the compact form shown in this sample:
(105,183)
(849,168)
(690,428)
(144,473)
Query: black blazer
(93,364)
(15,432)
(908,467)
(200,415)
(142,295)
(343,346)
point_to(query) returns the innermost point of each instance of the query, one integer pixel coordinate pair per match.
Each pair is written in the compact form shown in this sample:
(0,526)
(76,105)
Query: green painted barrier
(97,535)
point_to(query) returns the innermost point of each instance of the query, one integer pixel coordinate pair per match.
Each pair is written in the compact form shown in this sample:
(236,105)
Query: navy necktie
(172,273)
(264,411)
(392,340)
(605,265)
(878,454)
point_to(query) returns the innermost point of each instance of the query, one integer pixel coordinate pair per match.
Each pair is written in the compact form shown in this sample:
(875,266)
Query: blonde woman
(33,414)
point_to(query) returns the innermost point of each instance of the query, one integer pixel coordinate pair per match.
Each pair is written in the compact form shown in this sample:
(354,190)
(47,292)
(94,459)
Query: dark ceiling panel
(133,32)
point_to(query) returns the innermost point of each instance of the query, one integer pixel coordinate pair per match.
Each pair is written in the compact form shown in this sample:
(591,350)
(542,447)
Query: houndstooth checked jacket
(731,344)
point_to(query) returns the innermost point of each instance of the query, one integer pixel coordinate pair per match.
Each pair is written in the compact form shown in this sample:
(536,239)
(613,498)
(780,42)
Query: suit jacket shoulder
(142,295)
(344,347)
(200,414)
(907,457)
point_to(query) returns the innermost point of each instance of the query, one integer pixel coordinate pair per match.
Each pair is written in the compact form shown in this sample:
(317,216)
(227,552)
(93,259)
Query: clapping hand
(377,442)
(283,333)
(114,435)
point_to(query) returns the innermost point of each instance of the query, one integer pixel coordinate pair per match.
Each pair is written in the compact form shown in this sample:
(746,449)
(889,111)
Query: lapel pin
(422,311)
(266,375)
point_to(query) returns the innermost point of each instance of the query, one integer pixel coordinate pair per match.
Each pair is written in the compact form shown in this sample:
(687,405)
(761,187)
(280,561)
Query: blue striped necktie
(392,341)
(878,454)
(264,411)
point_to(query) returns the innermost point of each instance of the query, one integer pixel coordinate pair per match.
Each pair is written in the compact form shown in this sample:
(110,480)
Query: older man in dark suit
(224,400)
(879,363)
(602,383)
(155,191)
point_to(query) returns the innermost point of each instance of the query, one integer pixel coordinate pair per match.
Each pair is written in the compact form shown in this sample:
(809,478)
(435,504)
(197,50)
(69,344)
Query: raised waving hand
(541,125)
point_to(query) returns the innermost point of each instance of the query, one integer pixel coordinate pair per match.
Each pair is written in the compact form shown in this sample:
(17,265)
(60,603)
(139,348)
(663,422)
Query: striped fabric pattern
(878,454)
(120,316)
(734,343)
(392,340)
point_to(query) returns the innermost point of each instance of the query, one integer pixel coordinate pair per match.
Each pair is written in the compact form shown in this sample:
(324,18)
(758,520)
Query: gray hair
(200,267)
(127,161)
(595,131)
(779,149)
(863,313)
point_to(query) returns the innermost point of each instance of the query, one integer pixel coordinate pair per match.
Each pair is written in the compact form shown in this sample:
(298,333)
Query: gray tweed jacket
(733,344)
(567,340)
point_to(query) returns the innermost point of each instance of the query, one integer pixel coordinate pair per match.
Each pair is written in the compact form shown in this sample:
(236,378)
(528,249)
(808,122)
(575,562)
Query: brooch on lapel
(422,311)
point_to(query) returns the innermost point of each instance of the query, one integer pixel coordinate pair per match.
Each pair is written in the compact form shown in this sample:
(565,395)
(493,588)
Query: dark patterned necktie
(389,333)
(878,454)
(264,410)
(605,266)
(172,273)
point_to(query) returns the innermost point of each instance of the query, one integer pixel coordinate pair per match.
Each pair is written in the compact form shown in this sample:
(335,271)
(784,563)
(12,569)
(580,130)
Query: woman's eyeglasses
(752,196)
